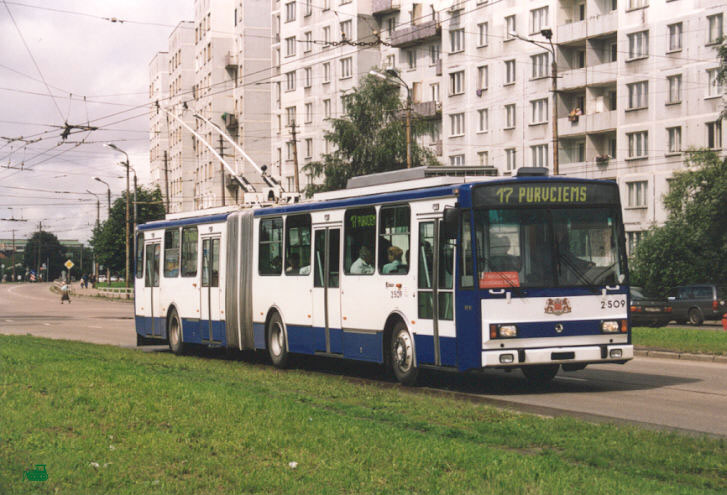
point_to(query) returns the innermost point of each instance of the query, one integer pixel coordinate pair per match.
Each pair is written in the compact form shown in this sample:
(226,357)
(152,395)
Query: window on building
(326,72)
(390,62)
(394,231)
(675,88)
(456,124)
(510,71)
(189,251)
(434,53)
(632,241)
(714,135)
(289,11)
(510,27)
(539,111)
(510,116)
(638,144)
(538,20)
(326,36)
(636,194)
(675,37)
(510,163)
(290,81)
(280,123)
(307,8)
(359,241)
(270,247)
(483,158)
(308,77)
(171,252)
(714,85)
(290,151)
(456,160)
(540,64)
(346,30)
(638,45)
(434,91)
(456,83)
(456,40)
(483,120)
(638,95)
(346,67)
(539,154)
(482,77)
(637,4)
(674,135)
(482,31)
(327,109)
(308,41)
(714,33)
(290,46)
(411,58)
(309,147)
(308,113)
(290,115)
(297,245)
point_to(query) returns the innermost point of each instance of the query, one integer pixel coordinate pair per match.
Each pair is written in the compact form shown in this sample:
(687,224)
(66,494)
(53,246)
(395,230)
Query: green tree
(722,71)
(108,239)
(369,138)
(44,247)
(691,246)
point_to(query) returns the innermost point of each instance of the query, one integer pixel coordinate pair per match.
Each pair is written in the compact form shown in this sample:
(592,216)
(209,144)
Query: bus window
(189,251)
(360,242)
(139,255)
(446,278)
(211,262)
(426,270)
(467,280)
(394,240)
(171,253)
(297,245)
(271,246)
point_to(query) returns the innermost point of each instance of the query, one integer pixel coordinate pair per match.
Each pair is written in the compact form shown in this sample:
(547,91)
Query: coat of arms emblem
(557,306)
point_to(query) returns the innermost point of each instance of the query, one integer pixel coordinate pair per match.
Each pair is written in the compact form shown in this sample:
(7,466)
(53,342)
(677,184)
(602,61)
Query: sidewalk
(687,356)
(111,293)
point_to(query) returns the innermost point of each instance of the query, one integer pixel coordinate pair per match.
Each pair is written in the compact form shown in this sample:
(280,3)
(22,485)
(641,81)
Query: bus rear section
(552,275)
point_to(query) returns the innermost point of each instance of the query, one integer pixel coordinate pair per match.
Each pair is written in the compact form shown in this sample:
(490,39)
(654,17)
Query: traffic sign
(68,264)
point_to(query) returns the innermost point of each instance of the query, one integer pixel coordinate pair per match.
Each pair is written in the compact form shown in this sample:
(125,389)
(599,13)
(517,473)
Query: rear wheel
(402,355)
(277,348)
(695,316)
(174,333)
(540,373)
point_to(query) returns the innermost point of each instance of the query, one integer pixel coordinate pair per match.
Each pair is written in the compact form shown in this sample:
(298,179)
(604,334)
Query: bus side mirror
(450,222)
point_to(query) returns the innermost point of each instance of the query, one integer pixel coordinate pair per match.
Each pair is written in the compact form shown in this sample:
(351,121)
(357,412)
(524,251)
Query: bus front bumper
(611,353)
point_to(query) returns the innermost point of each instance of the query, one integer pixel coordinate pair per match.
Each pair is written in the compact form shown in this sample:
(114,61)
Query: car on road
(698,302)
(649,309)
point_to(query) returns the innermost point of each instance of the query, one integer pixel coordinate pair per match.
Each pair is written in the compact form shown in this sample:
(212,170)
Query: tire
(402,355)
(695,317)
(174,333)
(277,348)
(540,373)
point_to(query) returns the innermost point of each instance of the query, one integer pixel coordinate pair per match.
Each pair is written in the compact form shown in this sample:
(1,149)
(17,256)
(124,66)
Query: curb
(686,356)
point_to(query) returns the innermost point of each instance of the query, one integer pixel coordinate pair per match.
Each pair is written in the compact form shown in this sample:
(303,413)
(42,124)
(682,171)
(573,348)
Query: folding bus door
(211,327)
(154,322)
(326,287)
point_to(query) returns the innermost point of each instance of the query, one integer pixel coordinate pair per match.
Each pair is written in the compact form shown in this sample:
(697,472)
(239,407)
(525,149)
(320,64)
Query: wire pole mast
(222,171)
(296,177)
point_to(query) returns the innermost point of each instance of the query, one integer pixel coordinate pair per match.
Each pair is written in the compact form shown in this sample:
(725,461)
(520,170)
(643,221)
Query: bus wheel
(174,333)
(276,342)
(540,373)
(402,355)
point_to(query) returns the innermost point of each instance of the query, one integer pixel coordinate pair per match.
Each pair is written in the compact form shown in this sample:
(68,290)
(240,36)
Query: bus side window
(189,252)
(270,258)
(394,240)
(297,245)
(360,241)
(140,255)
(171,253)
(467,280)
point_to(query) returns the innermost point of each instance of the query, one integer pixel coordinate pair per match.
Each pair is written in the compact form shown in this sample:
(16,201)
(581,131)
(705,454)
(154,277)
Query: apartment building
(317,59)
(158,140)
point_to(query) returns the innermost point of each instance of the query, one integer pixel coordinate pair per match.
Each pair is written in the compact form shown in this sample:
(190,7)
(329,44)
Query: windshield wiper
(572,266)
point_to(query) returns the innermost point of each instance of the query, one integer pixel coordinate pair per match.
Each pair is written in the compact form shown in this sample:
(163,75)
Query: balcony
(603,24)
(601,122)
(571,31)
(568,127)
(602,74)
(594,26)
(231,61)
(381,7)
(230,120)
(427,109)
(569,79)
(415,33)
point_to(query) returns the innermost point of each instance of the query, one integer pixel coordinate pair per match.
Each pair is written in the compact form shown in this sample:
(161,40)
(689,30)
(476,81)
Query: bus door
(210,324)
(153,325)
(436,294)
(326,287)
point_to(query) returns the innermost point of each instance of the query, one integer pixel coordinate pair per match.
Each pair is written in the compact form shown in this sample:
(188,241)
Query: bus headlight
(610,326)
(508,331)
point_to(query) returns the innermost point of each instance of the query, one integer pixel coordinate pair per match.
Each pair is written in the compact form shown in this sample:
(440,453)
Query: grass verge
(110,420)
(681,340)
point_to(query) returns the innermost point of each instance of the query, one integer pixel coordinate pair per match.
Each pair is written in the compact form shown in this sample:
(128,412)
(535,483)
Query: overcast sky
(79,55)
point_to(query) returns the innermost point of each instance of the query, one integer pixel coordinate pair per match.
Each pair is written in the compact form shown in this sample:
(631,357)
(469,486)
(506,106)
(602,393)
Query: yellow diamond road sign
(68,264)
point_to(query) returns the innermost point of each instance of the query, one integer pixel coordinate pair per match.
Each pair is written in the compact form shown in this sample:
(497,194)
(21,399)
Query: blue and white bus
(522,272)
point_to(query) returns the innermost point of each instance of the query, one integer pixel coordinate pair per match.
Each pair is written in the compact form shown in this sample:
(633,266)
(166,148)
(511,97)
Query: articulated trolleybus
(517,272)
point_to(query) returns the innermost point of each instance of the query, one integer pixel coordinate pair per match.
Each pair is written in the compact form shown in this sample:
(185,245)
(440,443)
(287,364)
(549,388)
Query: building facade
(158,137)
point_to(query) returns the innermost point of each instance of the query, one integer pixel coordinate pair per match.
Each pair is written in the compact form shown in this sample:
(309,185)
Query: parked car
(648,309)
(696,303)
(102,278)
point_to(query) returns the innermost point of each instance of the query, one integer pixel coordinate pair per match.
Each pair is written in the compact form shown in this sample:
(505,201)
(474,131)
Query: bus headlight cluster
(503,331)
(610,326)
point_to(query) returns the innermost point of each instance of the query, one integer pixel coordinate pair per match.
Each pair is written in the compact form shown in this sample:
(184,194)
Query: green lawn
(682,339)
(157,423)
(117,284)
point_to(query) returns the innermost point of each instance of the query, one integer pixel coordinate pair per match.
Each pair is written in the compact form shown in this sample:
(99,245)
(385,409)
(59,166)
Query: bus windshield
(555,247)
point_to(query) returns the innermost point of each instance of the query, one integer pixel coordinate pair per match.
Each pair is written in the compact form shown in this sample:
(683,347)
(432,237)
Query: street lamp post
(98,223)
(108,193)
(387,77)
(126,163)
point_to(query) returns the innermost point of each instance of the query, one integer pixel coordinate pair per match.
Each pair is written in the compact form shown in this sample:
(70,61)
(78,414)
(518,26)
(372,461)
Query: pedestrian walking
(84,281)
(65,293)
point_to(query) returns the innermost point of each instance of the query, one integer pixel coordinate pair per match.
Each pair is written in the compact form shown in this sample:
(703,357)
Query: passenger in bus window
(293,267)
(364,263)
(394,254)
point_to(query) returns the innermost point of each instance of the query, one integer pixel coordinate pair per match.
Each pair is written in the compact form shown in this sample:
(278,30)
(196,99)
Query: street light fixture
(391,73)
(126,164)
(108,192)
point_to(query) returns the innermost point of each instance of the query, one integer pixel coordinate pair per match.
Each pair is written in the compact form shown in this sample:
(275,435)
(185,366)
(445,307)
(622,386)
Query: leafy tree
(44,247)
(722,71)
(370,138)
(691,247)
(108,238)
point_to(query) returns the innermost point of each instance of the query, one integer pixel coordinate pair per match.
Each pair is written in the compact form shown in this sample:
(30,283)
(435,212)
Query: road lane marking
(572,378)
(10,321)
(46,324)
(93,326)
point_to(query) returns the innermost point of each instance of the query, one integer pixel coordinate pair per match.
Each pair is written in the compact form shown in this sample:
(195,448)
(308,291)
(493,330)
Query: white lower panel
(589,354)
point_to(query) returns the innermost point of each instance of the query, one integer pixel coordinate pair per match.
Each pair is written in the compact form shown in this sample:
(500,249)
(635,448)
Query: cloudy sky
(98,74)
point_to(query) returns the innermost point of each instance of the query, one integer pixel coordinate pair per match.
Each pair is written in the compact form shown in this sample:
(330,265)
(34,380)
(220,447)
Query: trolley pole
(166,179)
(222,171)
(293,133)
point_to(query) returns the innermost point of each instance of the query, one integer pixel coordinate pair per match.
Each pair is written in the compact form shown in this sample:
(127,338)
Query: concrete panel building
(158,138)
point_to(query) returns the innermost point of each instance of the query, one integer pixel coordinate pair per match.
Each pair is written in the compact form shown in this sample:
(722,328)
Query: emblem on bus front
(557,306)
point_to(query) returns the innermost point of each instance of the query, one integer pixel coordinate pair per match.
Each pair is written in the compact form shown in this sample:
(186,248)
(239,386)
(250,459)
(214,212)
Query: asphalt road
(661,393)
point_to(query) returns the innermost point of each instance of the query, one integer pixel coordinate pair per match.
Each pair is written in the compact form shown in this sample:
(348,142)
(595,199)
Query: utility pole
(408,127)
(294,134)
(222,171)
(13,255)
(166,179)
(40,241)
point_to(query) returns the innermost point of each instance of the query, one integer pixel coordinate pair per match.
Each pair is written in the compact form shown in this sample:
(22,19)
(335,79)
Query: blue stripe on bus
(191,333)
(258,331)
(180,222)
(363,346)
(424,345)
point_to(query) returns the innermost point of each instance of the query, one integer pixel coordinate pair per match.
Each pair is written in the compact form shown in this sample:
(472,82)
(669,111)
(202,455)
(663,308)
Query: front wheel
(174,333)
(540,373)
(402,356)
(695,317)
(276,342)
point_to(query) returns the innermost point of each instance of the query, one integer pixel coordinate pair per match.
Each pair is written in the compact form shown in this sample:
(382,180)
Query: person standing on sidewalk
(65,293)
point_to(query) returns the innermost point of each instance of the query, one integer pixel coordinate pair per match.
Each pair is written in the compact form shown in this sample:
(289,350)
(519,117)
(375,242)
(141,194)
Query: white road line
(572,378)
(92,326)
(10,321)
(46,324)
